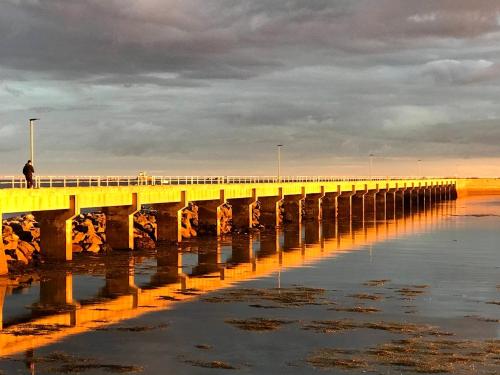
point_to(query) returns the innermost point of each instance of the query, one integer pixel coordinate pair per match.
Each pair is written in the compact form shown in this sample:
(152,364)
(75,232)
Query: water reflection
(175,274)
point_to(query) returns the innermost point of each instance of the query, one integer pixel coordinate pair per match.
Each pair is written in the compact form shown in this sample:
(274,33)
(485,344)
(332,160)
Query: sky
(210,87)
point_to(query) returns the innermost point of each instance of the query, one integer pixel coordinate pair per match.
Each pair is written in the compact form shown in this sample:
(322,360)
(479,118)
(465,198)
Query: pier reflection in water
(121,286)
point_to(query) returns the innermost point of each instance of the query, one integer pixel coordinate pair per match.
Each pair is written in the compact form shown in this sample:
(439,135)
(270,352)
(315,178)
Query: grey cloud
(174,84)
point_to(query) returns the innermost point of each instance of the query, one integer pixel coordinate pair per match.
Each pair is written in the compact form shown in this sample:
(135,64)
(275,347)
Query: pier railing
(103,181)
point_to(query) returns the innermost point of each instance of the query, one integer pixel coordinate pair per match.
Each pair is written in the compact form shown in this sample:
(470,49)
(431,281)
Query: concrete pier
(270,215)
(168,219)
(56,228)
(120,224)
(209,215)
(55,208)
(293,206)
(313,206)
(242,211)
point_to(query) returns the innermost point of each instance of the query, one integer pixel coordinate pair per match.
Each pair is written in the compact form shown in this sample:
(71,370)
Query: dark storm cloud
(225,79)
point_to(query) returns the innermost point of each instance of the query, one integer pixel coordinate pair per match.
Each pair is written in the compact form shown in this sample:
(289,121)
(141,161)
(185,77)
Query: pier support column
(209,214)
(421,197)
(344,201)
(270,215)
(329,205)
(437,193)
(454,193)
(400,202)
(381,205)
(358,206)
(168,219)
(390,201)
(313,205)
(3,259)
(293,206)
(120,224)
(56,231)
(428,196)
(446,192)
(371,205)
(242,211)
(409,199)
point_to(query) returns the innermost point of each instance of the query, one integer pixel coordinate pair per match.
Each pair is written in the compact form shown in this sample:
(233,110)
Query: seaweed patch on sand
(60,362)
(332,326)
(366,296)
(375,283)
(415,355)
(258,324)
(275,297)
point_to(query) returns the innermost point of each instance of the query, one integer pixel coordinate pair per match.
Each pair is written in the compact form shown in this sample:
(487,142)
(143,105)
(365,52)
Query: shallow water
(173,312)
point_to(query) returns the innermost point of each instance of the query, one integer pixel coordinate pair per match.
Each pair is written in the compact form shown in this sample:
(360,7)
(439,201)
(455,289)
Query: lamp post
(279,162)
(371,165)
(32,142)
(419,167)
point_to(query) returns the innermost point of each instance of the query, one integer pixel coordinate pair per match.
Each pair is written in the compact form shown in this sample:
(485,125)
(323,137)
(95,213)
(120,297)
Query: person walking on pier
(28,171)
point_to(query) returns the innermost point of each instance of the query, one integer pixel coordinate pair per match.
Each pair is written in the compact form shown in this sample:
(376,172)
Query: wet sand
(420,295)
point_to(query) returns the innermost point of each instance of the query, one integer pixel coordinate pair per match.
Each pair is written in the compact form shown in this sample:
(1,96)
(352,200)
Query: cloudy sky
(211,86)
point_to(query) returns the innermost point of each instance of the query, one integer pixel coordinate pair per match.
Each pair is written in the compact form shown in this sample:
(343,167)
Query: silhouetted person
(28,171)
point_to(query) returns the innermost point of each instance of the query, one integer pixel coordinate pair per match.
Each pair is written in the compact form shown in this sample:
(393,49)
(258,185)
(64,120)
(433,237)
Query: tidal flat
(415,295)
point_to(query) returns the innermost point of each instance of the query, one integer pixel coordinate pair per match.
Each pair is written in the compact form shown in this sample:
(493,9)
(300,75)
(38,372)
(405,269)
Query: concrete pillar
(454,193)
(390,201)
(270,215)
(344,207)
(371,205)
(169,219)
(428,196)
(120,224)
(168,266)
(313,205)
(4,270)
(446,192)
(329,205)
(56,231)
(242,211)
(209,214)
(421,197)
(242,249)
(381,205)
(293,206)
(414,199)
(400,202)
(358,205)
(408,202)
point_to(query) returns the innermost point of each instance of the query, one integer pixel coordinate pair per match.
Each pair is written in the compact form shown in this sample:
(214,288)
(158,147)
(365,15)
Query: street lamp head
(34,119)
(279,145)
